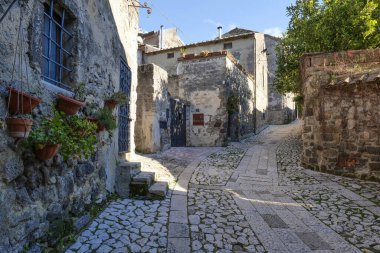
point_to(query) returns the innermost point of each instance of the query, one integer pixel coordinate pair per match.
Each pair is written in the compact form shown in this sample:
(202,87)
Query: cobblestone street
(251,196)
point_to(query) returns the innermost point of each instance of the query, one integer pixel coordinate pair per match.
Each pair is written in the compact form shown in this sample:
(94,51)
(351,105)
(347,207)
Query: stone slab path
(251,196)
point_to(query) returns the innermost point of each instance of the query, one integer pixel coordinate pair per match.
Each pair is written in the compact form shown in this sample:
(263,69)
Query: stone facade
(341,112)
(152,130)
(34,194)
(256,53)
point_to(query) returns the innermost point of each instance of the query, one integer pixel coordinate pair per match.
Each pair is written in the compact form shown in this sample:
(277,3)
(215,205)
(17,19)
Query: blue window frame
(56,55)
(124,117)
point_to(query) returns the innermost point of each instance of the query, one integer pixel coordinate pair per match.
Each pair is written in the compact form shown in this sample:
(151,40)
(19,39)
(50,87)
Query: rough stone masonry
(341,132)
(34,195)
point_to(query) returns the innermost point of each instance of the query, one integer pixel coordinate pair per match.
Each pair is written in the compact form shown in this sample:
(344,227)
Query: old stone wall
(342,113)
(34,194)
(201,84)
(152,130)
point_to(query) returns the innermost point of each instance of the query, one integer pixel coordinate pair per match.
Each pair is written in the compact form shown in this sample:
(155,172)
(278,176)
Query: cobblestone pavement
(251,196)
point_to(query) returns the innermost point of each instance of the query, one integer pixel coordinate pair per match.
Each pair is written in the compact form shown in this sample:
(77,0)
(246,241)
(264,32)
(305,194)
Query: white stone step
(144,177)
(159,189)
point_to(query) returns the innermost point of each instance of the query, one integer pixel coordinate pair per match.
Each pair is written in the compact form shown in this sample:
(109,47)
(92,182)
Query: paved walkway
(252,196)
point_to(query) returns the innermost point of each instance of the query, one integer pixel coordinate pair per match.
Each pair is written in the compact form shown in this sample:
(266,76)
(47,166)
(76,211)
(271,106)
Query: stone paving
(251,196)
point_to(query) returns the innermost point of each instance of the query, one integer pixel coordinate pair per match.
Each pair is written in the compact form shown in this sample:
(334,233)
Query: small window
(227,46)
(170,55)
(56,45)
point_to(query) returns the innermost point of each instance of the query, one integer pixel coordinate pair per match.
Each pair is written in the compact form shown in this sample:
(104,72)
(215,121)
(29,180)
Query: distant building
(251,52)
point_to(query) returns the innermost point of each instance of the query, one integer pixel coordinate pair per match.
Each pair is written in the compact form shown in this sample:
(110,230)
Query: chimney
(161,37)
(220,31)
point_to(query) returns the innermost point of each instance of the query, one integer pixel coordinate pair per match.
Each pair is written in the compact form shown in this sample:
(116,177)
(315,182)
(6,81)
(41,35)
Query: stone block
(159,188)
(374,166)
(144,177)
(81,222)
(11,166)
(123,179)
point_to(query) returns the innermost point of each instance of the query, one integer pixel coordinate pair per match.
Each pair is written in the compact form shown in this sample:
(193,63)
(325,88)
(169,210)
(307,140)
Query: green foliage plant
(79,91)
(76,135)
(120,97)
(106,118)
(324,26)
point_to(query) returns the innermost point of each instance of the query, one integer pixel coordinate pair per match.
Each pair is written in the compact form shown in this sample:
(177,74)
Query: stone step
(139,189)
(144,177)
(159,189)
(124,174)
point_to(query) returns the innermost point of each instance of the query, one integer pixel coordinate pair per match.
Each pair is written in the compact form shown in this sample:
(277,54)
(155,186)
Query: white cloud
(274,31)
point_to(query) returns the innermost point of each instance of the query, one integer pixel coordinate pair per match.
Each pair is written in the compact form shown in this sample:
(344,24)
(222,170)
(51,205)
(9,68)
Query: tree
(324,26)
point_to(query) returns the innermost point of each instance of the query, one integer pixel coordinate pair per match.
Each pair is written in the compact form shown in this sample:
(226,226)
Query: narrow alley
(252,196)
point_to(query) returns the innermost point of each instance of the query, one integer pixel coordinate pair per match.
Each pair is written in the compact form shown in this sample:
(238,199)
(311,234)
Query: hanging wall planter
(21,102)
(118,98)
(19,127)
(101,127)
(110,104)
(69,105)
(45,152)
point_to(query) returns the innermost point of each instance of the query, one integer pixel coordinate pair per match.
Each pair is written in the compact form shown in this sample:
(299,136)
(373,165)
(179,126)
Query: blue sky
(198,20)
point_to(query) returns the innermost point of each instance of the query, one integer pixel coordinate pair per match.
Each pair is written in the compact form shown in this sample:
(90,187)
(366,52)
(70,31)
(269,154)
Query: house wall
(249,52)
(242,49)
(33,194)
(152,107)
(201,84)
(242,122)
(341,113)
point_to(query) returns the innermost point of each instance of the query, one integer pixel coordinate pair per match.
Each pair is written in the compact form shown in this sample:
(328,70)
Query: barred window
(56,44)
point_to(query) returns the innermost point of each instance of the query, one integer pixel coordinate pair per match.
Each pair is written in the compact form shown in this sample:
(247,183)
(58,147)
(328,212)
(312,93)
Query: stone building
(91,42)
(342,112)
(199,76)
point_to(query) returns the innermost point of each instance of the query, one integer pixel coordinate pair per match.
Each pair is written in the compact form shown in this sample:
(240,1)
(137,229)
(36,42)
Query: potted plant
(69,105)
(105,118)
(117,98)
(99,127)
(21,102)
(72,136)
(204,53)
(48,137)
(80,138)
(19,127)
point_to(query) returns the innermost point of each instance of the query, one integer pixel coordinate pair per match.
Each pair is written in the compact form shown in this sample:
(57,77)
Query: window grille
(124,120)
(56,55)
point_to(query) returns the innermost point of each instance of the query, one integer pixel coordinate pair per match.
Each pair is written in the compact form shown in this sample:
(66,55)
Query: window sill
(57,89)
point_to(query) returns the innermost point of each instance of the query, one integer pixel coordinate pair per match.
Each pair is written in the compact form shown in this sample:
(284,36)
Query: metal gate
(178,123)
(125,86)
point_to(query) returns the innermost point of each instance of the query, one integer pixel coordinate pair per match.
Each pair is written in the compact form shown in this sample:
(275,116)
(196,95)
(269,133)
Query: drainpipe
(161,37)
(220,31)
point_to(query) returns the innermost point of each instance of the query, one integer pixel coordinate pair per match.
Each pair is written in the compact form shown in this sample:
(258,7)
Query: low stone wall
(152,130)
(341,132)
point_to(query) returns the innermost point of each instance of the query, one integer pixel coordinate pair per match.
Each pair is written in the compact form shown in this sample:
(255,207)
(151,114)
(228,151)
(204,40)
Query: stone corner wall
(152,130)
(341,132)
(201,85)
(35,194)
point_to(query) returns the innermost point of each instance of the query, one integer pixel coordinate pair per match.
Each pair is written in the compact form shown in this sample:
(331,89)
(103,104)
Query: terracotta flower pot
(47,152)
(69,105)
(18,127)
(101,127)
(110,104)
(20,102)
